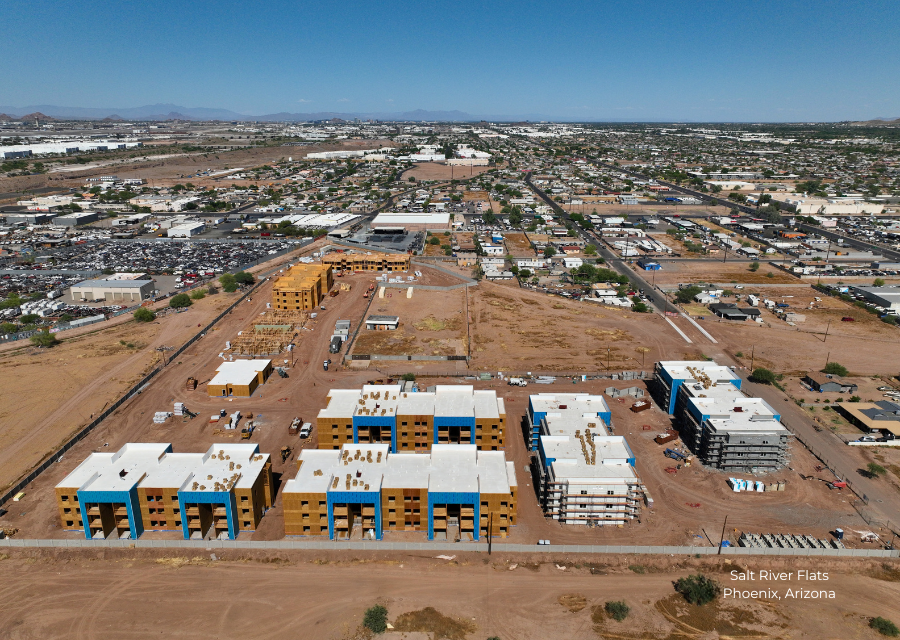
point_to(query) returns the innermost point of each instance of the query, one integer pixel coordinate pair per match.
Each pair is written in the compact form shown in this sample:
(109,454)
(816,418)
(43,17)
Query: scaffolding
(270,333)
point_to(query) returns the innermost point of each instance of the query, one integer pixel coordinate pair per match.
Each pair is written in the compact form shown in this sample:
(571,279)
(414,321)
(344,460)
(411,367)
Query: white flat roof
(571,464)
(747,424)
(240,372)
(447,468)
(569,403)
(689,369)
(388,400)
(398,217)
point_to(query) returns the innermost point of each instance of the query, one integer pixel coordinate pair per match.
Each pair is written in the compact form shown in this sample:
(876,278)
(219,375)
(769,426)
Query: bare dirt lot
(436,171)
(324,596)
(517,245)
(713,270)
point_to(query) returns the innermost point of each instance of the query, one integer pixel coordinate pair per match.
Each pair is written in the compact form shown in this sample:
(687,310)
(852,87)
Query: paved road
(842,459)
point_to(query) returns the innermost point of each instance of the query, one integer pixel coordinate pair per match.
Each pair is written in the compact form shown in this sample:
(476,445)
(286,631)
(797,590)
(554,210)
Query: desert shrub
(375,619)
(144,315)
(617,609)
(180,301)
(884,626)
(762,376)
(698,589)
(835,369)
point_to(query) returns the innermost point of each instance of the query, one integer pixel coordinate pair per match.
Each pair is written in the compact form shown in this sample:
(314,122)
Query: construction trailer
(363,490)
(413,422)
(145,486)
(239,378)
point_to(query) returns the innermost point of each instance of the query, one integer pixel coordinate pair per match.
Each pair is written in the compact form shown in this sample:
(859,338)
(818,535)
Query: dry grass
(429,620)
(694,621)
(609,335)
(433,324)
(574,602)
(388,343)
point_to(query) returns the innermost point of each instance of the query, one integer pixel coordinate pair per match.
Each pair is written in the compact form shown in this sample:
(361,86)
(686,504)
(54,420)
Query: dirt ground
(168,171)
(438,171)
(732,271)
(517,245)
(115,594)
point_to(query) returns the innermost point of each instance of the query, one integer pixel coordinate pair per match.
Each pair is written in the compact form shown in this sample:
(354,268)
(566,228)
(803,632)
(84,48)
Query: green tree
(617,610)
(878,282)
(242,277)
(7,327)
(686,295)
(762,376)
(590,250)
(198,294)
(180,301)
(524,273)
(434,240)
(640,307)
(229,284)
(144,315)
(44,339)
(835,369)
(409,377)
(375,619)
(549,252)
(754,266)
(698,589)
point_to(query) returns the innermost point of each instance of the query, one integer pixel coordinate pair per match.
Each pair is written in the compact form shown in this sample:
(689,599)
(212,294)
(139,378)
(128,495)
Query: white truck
(518,382)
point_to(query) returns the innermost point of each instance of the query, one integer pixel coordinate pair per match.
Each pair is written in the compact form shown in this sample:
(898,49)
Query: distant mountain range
(878,121)
(163,112)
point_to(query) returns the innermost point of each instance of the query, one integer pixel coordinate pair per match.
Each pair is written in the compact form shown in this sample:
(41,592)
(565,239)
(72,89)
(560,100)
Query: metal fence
(136,389)
(431,547)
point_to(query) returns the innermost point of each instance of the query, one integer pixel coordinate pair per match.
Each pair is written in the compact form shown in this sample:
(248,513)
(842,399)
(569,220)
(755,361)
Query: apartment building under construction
(362,490)
(145,486)
(413,422)
(367,261)
(303,287)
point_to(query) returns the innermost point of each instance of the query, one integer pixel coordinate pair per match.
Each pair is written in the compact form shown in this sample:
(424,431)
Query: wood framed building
(413,422)
(368,261)
(239,378)
(145,486)
(303,287)
(363,490)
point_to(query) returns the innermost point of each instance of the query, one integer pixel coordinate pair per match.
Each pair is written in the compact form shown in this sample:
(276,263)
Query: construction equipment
(294,429)
(191,384)
(676,455)
(281,372)
(247,431)
(285,453)
(667,436)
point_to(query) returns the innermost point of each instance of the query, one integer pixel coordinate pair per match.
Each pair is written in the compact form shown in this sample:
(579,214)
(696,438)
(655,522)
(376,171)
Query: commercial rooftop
(609,459)
(389,400)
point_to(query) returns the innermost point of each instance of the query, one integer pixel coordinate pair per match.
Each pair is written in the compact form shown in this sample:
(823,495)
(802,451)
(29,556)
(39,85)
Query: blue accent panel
(353,497)
(674,395)
(631,457)
(209,497)
(128,498)
(376,421)
(454,497)
(606,416)
(737,382)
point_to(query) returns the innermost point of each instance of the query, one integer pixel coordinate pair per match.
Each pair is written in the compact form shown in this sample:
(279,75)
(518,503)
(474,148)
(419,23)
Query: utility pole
(826,330)
(722,537)
(490,528)
(607,358)
(752,351)
(827,358)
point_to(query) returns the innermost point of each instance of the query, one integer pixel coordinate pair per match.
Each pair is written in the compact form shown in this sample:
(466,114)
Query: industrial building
(368,261)
(382,323)
(824,383)
(303,287)
(542,406)
(118,287)
(76,219)
(413,422)
(186,230)
(239,378)
(454,492)
(725,428)
(887,297)
(145,486)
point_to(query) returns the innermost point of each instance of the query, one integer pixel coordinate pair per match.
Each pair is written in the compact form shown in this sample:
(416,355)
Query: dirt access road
(135,595)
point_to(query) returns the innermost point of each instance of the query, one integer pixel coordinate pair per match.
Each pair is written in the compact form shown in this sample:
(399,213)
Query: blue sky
(595,60)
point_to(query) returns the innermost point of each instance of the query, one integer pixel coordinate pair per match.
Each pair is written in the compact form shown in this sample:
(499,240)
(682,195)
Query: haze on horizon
(691,60)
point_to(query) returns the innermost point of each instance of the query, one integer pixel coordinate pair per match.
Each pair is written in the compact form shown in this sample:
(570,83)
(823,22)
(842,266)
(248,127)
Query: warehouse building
(413,422)
(825,383)
(454,492)
(76,219)
(239,378)
(369,261)
(145,486)
(118,287)
(304,286)
(887,297)
(566,406)
(186,230)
